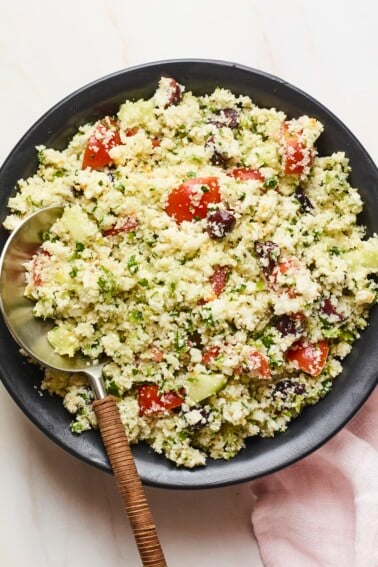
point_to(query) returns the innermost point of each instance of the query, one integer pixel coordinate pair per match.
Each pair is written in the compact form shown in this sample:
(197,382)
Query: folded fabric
(323,510)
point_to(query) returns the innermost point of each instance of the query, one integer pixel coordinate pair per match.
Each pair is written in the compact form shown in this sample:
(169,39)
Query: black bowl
(316,424)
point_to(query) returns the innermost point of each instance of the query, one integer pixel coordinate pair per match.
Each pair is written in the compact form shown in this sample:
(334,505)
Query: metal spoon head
(28,331)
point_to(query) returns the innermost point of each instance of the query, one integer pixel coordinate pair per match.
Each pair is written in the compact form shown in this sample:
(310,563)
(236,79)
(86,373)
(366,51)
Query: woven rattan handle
(129,484)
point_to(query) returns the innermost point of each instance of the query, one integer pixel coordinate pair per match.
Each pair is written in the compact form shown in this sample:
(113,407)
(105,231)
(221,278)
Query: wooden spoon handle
(129,483)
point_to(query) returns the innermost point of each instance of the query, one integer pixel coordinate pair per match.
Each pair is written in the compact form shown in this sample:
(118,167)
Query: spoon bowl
(17,310)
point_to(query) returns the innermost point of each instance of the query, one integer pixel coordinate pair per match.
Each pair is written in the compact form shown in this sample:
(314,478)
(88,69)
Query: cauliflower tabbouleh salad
(215,259)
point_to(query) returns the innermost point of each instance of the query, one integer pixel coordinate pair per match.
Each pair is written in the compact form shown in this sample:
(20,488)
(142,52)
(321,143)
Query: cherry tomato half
(289,267)
(131,131)
(310,358)
(127,225)
(219,279)
(258,366)
(296,155)
(38,263)
(191,199)
(151,402)
(155,142)
(104,138)
(209,354)
(246,173)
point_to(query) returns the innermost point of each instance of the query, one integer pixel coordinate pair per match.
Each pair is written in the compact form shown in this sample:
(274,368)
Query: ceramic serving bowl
(316,424)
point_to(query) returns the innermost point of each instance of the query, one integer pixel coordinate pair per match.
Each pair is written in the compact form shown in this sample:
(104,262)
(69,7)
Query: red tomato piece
(105,136)
(310,358)
(257,366)
(38,262)
(285,267)
(290,324)
(290,265)
(209,354)
(127,225)
(151,402)
(219,279)
(131,131)
(246,173)
(296,155)
(191,199)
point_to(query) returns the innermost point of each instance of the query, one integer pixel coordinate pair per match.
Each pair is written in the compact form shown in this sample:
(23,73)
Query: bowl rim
(224,480)
(219,62)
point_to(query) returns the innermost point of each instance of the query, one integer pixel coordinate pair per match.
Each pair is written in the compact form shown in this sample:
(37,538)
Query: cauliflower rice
(212,255)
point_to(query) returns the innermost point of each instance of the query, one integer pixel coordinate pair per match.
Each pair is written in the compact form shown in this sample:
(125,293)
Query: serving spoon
(31,334)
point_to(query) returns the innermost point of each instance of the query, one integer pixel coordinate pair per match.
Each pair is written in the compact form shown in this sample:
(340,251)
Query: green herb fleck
(326,387)
(136,315)
(106,283)
(120,187)
(85,396)
(180,344)
(335,251)
(59,173)
(45,236)
(41,157)
(76,427)
(113,389)
(207,316)
(196,159)
(132,265)
(271,183)
(274,363)
(239,288)
(267,340)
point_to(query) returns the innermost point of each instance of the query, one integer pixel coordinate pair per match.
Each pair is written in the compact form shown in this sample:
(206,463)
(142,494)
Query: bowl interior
(316,424)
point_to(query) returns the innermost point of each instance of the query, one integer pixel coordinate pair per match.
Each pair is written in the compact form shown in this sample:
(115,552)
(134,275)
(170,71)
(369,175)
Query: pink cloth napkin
(323,510)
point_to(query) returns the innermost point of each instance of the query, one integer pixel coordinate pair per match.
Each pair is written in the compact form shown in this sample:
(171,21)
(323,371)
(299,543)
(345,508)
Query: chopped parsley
(132,265)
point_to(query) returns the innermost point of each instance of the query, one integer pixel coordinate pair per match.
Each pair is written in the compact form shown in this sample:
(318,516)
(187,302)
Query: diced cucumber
(78,224)
(63,341)
(62,278)
(201,386)
(365,256)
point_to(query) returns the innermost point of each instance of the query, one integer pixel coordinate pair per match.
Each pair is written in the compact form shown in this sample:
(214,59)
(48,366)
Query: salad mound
(209,252)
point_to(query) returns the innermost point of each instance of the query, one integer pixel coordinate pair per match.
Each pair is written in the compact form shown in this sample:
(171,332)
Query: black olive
(328,309)
(175,94)
(289,324)
(219,223)
(268,253)
(228,117)
(285,386)
(306,205)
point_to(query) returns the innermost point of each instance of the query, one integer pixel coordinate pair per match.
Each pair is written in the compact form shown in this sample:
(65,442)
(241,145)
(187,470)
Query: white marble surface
(54,510)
